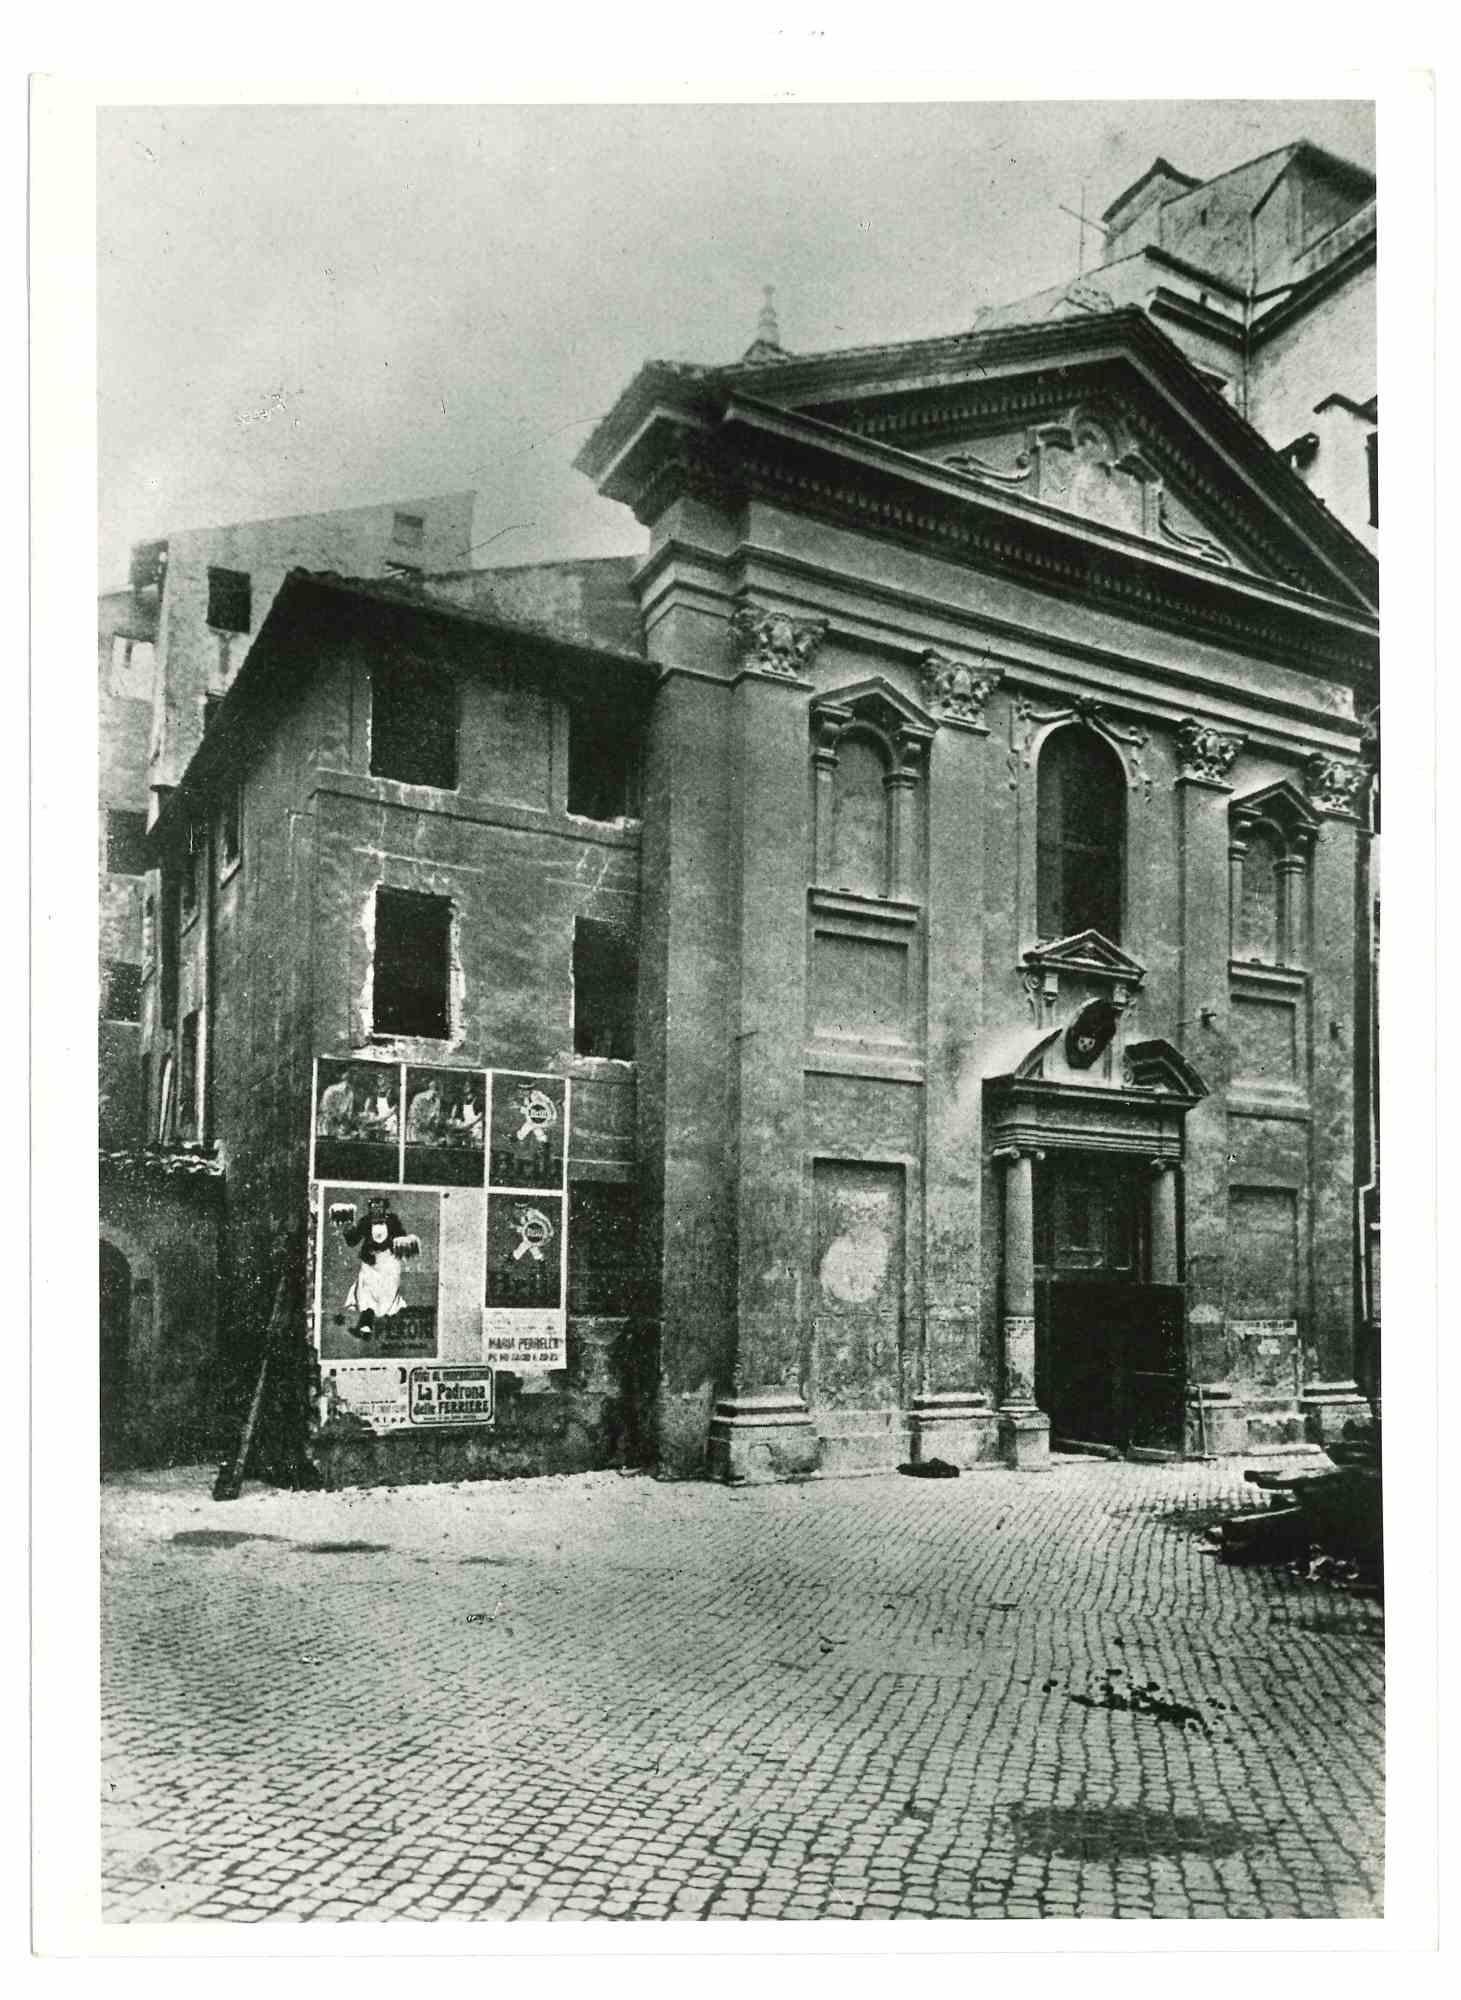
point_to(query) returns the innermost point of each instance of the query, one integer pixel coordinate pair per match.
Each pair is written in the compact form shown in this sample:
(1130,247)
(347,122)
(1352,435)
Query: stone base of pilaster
(955,1425)
(1024,1439)
(1328,1406)
(764,1436)
(1216,1423)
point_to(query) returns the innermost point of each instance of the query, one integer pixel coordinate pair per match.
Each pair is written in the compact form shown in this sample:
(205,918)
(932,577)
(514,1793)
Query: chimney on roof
(767,344)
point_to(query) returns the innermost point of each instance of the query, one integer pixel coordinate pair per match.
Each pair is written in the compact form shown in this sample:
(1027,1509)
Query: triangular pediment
(1101,419)
(877,701)
(1157,1065)
(1086,951)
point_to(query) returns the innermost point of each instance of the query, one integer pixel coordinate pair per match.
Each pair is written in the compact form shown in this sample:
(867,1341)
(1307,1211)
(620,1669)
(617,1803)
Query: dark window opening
(603,767)
(191,861)
(126,843)
(169,954)
(409,530)
(605,976)
(188,1077)
(1372,466)
(229,842)
(603,1232)
(122,991)
(412,989)
(413,726)
(230,600)
(1081,838)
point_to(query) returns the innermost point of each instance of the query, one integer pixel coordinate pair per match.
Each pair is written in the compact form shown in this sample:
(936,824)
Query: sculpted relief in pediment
(1085,466)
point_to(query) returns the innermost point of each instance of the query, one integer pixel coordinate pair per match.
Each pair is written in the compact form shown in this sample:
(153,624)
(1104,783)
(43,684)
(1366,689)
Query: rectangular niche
(860,988)
(1263,1253)
(1268,1041)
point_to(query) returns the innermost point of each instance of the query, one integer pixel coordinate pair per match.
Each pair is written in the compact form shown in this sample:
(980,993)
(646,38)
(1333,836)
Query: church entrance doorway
(1108,1342)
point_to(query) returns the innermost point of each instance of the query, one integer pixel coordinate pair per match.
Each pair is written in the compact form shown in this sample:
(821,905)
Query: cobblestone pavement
(1011,1695)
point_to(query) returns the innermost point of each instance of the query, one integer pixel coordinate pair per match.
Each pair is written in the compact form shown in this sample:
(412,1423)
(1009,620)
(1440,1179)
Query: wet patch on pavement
(1104,1833)
(218,1538)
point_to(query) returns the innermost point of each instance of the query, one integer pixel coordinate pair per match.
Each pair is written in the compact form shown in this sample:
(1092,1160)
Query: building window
(409,530)
(230,595)
(1081,837)
(860,817)
(1372,466)
(603,767)
(126,843)
(413,725)
(411,994)
(188,1076)
(230,845)
(122,991)
(603,1227)
(605,976)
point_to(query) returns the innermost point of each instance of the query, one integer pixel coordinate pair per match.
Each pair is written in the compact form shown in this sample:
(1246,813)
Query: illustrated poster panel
(446,1116)
(527,1131)
(380,1258)
(525,1251)
(357,1121)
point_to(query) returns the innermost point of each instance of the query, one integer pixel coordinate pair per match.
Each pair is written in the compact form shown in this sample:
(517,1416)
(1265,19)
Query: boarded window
(126,843)
(122,991)
(603,767)
(413,724)
(1081,841)
(412,987)
(603,1230)
(230,600)
(409,530)
(605,976)
(188,1076)
(860,818)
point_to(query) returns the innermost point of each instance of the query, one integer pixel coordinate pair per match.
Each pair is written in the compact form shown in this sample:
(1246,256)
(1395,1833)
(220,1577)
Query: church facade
(902,1006)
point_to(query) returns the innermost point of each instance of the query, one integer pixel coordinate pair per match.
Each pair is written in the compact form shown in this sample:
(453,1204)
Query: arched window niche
(1270,840)
(869,749)
(1080,820)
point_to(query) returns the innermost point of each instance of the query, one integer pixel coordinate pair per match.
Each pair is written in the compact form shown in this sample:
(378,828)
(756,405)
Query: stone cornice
(829,474)
(909,613)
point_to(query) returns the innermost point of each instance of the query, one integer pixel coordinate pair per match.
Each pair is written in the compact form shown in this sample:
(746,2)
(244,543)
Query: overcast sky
(304,308)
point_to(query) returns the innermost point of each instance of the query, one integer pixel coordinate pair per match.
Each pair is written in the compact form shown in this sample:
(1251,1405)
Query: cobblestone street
(1002,1696)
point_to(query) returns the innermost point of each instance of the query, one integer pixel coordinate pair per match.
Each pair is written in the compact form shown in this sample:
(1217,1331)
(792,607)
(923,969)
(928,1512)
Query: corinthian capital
(954,691)
(1334,783)
(1205,752)
(772,642)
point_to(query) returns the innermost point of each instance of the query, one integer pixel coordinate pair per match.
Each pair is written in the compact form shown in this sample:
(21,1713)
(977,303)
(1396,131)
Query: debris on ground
(931,1468)
(1326,1525)
(1140,1698)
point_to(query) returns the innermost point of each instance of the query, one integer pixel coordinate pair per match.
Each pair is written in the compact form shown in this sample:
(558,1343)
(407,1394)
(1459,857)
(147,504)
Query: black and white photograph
(740,1102)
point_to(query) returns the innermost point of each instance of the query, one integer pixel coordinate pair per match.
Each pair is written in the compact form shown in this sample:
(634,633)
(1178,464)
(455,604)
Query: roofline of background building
(262,673)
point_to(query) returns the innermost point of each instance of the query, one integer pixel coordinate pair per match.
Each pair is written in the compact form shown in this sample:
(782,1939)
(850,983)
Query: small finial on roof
(766,327)
(767,344)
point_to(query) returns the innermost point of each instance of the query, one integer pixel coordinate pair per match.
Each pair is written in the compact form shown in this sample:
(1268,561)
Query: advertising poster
(450,1396)
(379,1267)
(526,1343)
(357,1121)
(525,1252)
(446,1116)
(527,1131)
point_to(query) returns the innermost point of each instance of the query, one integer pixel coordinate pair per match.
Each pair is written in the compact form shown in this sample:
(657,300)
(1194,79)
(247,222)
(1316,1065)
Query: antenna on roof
(1085,221)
